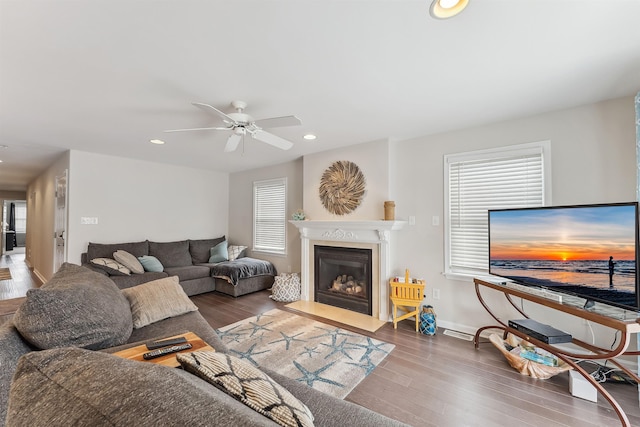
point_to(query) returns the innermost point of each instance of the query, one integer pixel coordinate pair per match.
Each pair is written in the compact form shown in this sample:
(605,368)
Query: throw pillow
(236,252)
(129,261)
(77,387)
(111,266)
(286,288)
(77,307)
(219,252)
(249,385)
(157,300)
(151,263)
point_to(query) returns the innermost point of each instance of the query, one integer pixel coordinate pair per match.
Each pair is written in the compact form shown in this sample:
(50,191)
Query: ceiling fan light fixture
(443,9)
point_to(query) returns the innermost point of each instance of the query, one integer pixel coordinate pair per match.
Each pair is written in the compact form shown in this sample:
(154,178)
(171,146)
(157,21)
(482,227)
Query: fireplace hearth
(343,277)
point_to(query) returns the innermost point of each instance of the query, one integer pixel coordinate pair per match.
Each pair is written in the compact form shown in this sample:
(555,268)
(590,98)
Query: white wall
(40,218)
(241,211)
(136,200)
(593,161)
(372,159)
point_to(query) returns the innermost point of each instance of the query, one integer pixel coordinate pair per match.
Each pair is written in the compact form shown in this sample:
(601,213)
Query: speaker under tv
(589,251)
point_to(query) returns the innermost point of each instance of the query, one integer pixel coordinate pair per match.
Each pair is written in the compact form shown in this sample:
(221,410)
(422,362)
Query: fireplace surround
(373,235)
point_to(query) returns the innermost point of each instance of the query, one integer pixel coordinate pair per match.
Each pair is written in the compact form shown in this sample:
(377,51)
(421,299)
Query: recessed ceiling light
(157,141)
(309,136)
(443,9)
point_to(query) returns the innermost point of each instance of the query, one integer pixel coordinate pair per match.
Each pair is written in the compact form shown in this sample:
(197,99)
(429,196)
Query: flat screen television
(590,251)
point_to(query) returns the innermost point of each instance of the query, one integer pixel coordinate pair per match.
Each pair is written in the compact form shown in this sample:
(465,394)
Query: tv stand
(590,352)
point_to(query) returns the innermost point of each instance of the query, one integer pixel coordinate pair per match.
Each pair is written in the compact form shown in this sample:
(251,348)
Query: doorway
(14,226)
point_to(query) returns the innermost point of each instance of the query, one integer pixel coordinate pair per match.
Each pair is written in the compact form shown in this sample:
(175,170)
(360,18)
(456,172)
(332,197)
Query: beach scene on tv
(586,250)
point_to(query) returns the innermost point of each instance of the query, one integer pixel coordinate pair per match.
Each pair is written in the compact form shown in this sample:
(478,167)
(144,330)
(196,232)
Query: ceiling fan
(241,124)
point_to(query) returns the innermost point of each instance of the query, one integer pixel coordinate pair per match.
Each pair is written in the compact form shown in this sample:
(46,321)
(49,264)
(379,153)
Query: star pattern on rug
(325,357)
(370,347)
(230,334)
(341,348)
(333,333)
(288,339)
(256,328)
(310,351)
(367,365)
(310,377)
(248,355)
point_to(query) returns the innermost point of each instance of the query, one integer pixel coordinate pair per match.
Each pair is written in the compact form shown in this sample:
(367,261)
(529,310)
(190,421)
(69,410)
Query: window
(269,215)
(509,177)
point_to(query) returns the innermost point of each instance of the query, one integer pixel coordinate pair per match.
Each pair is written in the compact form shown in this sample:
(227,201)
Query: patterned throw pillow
(235,251)
(249,385)
(286,288)
(111,266)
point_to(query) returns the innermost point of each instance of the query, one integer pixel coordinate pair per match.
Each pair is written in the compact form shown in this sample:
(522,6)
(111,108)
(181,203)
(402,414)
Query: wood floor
(12,291)
(443,381)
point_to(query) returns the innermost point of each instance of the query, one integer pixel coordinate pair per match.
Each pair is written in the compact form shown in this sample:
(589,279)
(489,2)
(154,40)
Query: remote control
(167,350)
(166,343)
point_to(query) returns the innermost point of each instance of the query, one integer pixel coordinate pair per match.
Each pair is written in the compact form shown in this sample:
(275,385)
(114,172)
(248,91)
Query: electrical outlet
(88,220)
(435,220)
(436,294)
(412,220)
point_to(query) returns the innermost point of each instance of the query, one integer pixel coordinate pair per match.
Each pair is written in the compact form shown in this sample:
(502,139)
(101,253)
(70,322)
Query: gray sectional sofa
(56,366)
(187,259)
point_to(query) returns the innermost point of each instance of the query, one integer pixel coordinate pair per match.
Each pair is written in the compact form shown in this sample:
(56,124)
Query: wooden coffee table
(135,353)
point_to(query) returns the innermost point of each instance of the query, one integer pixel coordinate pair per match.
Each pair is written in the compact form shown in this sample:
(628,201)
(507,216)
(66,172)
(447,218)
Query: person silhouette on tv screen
(611,266)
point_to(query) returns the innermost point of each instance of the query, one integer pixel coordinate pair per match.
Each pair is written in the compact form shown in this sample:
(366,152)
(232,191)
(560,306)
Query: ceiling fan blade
(187,130)
(278,122)
(272,139)
(206,107)
(232,143)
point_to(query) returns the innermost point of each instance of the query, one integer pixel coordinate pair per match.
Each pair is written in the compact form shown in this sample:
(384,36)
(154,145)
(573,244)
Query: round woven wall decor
(342,187)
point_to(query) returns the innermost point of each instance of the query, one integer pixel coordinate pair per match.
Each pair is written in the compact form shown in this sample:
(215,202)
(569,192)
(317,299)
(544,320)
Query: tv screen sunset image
(591,247)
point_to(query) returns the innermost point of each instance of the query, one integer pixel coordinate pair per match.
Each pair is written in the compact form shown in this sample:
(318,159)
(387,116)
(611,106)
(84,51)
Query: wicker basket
(525,366)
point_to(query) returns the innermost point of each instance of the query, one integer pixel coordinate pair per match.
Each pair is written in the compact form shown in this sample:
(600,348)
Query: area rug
(5,274)
(327,358)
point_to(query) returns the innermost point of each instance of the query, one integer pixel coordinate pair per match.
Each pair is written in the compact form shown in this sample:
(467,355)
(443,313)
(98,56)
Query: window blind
(269,215)
(477,184)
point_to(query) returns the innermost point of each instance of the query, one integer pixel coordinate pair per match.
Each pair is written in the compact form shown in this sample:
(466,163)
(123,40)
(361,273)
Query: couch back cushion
(199,249)
(77,307)
(78,387)
(171,254)
(101,250)
(12,346)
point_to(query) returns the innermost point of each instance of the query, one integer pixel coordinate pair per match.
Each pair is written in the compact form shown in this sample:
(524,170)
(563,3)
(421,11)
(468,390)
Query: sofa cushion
(171,254)
(199,249)
(235,252)
(101,250)
(70,386)
(12,346)
(189,273)
(111,266)
(129,261)
(151,264)
(157,300)
(219,253)
(249,385)
(77,307)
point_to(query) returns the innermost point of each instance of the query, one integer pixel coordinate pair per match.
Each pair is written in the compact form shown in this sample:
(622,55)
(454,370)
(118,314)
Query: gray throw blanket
(242,268)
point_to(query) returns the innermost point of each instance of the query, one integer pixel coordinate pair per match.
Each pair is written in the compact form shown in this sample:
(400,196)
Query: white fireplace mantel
(377,233)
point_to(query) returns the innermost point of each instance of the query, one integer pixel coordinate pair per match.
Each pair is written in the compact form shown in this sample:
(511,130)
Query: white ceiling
(107,76)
